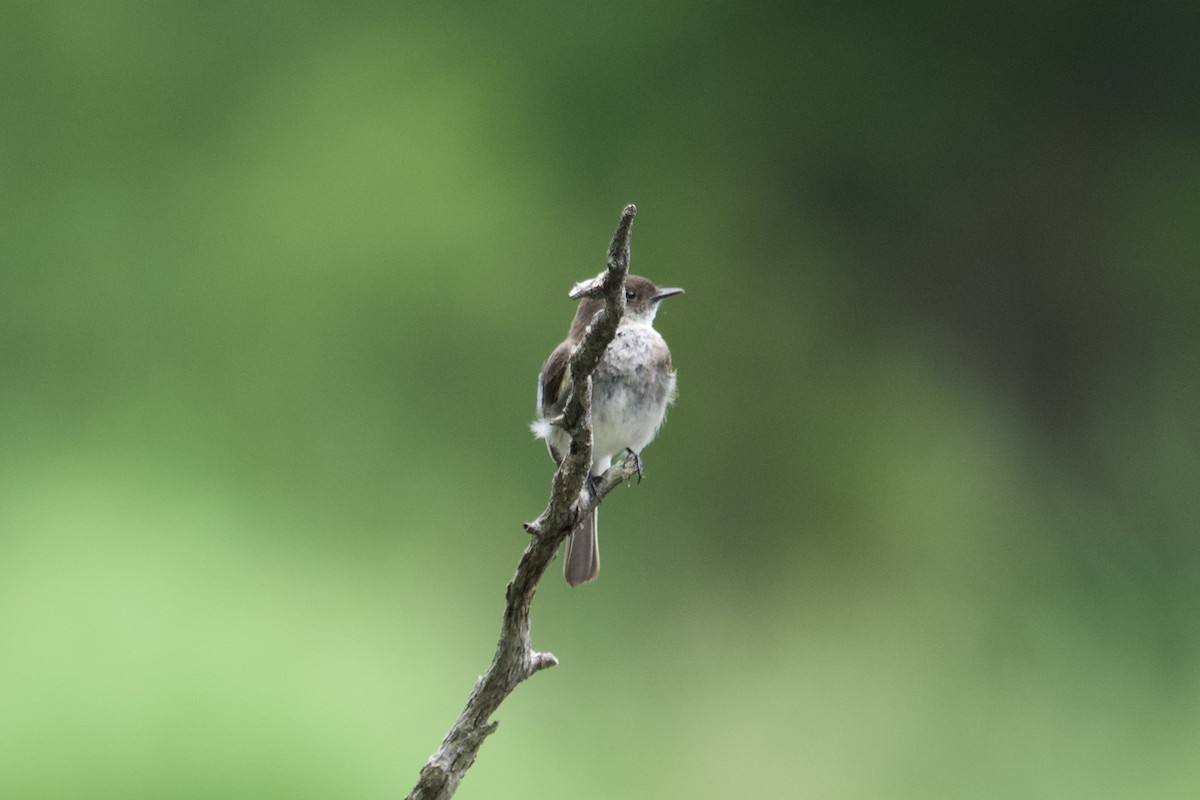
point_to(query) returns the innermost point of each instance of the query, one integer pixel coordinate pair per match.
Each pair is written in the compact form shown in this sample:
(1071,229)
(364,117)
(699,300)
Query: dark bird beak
(665,293)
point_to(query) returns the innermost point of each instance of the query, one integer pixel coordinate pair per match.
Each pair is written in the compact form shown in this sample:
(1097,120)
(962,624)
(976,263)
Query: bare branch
(515,660)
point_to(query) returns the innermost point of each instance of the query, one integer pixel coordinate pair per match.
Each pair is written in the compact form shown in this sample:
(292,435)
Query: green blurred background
(275,284)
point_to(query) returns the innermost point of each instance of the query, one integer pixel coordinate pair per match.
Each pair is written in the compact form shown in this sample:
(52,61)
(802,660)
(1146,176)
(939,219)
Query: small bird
(631,388)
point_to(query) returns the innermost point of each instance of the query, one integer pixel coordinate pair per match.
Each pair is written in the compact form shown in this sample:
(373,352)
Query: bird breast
(631,389)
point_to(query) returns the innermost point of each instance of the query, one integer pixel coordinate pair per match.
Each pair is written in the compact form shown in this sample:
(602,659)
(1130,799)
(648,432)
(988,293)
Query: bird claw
(637,460)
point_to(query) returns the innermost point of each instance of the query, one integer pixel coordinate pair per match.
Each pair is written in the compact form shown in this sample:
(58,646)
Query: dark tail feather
(582,562)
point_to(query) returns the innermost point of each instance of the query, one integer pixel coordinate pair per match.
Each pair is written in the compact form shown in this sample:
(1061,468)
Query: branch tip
(592,287)
(618,250)
(618,258)
(541,661)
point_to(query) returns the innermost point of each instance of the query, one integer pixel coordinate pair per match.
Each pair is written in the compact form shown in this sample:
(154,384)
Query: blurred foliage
(276,282)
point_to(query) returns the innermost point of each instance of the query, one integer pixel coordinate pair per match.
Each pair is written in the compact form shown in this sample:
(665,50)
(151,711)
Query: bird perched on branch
(631,388)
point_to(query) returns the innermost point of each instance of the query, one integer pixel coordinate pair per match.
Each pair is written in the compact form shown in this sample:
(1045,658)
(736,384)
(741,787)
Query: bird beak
(665,293)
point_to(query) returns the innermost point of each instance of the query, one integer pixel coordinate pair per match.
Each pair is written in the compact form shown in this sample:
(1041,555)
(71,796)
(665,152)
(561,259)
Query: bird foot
(637,460)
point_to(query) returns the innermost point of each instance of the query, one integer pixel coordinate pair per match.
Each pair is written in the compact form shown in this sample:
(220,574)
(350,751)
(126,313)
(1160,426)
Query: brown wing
(554,378)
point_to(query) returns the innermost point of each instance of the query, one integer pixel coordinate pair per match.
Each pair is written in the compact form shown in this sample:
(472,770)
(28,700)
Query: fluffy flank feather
(540,428)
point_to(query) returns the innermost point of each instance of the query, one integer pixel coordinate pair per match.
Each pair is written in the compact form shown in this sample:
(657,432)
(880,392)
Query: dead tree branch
(515,659)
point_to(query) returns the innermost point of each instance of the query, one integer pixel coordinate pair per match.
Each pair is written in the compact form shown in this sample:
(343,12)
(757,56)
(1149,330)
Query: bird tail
(582,562)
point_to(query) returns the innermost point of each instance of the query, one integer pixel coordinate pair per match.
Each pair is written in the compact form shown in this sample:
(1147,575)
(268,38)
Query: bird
(632,386)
